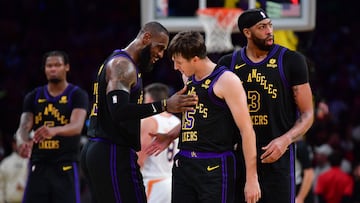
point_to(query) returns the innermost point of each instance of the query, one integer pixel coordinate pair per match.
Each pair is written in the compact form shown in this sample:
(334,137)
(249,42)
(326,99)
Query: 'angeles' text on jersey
(271,106)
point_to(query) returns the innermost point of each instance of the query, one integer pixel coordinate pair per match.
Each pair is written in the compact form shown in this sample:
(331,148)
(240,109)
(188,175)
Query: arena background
(89,30)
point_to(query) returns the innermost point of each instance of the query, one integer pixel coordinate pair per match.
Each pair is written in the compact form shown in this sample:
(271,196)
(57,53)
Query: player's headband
(250,17)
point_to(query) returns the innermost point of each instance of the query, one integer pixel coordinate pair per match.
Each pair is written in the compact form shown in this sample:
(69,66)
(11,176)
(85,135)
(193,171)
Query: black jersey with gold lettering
(268,87)
(210,126)
(55,111)
(124,133)
(270,98)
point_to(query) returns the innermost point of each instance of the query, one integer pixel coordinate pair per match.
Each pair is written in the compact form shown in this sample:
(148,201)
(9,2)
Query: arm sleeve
(296,68)
(120,108)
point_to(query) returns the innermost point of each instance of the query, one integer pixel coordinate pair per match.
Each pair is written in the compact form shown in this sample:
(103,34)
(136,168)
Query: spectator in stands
(334,185)
(13,175)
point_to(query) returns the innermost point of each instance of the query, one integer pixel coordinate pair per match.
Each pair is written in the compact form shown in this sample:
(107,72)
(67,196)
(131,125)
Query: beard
(54,80)
(145,63)
(261,44)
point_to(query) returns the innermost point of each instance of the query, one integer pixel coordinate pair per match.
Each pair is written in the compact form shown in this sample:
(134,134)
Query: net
(218,24)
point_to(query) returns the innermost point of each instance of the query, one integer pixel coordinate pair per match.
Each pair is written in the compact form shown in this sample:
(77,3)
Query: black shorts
(203,177)
(53,182)
(112,172)
(277,180)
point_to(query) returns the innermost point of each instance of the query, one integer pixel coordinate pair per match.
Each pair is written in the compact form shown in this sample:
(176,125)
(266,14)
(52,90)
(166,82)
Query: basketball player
(156,170)
(109,159)
(279,96)
(57,113)
(205,168)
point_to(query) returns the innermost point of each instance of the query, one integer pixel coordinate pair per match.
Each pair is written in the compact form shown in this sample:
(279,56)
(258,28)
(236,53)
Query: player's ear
(146,38)
(195,59)
(67,67)
(246,32)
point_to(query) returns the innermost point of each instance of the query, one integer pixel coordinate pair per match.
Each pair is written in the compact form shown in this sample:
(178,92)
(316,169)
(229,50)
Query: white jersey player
(156,170)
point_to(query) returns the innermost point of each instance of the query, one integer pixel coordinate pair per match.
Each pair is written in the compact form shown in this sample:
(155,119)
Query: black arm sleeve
(120,108)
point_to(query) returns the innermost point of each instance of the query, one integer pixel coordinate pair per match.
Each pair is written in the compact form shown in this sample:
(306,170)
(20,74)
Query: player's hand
(252,191)
(180,102)
(274,150)
(299,200)
(173,133)
(158,144)
(24,149)
(43,133)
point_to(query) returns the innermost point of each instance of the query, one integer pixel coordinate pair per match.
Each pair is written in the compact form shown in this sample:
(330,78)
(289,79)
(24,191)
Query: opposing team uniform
(204,168)
(113,143)
(273,112)
(54,162)
(157,169)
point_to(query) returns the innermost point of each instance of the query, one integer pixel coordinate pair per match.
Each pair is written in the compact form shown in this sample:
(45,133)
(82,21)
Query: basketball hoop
(218,25)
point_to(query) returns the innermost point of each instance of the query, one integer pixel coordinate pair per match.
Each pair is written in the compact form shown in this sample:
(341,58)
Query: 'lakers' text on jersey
(210,126)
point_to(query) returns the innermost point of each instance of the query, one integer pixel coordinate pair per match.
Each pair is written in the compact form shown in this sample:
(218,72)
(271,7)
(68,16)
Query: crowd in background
(90,30)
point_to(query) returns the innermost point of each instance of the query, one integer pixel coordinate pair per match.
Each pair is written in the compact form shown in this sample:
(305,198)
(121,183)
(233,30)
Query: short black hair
(335,158)
(62,54)
(153,27)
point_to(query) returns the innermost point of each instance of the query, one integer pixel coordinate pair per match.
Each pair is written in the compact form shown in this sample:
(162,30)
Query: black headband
(250,17)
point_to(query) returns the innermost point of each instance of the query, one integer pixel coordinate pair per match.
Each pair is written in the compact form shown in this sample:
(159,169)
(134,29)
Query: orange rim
(224,15)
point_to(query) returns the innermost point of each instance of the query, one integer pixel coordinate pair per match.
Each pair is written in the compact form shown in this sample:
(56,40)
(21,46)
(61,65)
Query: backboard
(178,15)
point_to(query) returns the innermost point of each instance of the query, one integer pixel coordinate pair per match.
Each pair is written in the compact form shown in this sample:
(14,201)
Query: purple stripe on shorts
(77,181)
(113,172)
(193,154)
(292,173)
(225,176)
(99,139)
(135,176)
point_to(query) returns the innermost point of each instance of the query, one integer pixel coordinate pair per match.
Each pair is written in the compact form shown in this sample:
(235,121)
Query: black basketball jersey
(210,126)
(55,111)
(268,87)
(124,133)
